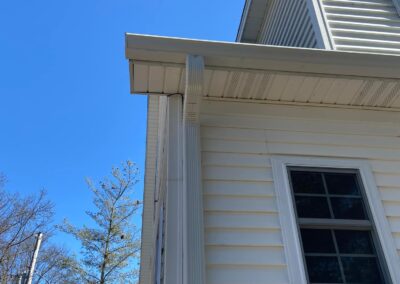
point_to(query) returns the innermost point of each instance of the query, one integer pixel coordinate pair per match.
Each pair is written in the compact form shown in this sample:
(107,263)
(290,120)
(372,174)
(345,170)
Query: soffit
(278,74)
(229,83)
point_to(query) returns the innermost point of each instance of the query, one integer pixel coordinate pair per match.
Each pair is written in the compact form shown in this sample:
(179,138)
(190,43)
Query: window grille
(335,226)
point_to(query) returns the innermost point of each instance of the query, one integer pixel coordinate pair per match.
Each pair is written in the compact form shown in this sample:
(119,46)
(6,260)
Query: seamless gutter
(170,50)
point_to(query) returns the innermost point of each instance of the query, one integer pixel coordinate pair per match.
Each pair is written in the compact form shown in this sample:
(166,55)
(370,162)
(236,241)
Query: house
(275,159)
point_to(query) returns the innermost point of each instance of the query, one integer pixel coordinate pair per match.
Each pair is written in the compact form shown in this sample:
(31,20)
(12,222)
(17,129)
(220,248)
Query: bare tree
(21,218)
(110,248)
(55,265)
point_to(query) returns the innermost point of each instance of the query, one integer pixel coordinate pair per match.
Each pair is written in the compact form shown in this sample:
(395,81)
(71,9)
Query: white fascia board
(252,20)
(243,20)
(168,50)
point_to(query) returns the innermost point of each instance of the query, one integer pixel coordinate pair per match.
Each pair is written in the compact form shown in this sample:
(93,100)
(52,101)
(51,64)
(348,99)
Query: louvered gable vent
(370,26)
(364,25)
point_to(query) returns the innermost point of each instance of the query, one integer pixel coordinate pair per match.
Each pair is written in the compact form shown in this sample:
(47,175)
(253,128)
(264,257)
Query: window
(336,230)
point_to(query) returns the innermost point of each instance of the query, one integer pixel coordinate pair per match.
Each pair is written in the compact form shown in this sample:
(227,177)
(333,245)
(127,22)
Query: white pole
(19,279)
(34,258)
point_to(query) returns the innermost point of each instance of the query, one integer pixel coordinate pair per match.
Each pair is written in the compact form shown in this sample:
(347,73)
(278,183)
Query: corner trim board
(320,25)
(146,274)
(173,273)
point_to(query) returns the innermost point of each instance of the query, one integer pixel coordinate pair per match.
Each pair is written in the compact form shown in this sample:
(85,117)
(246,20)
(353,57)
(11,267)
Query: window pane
(312,207)
(361,270)
(348,208)
(333,252)
(359,242)
(307,182)
(317,241)
(342,183)
(323,269)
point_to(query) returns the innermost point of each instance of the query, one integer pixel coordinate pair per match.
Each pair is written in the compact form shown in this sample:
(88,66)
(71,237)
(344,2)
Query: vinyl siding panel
(257,238)
(240,275)
(363,25)
(263,256)
(241,221)
(288,23)
(242,230)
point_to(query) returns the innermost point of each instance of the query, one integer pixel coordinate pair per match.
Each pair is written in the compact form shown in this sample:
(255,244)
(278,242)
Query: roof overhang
(260,72)
(253,17)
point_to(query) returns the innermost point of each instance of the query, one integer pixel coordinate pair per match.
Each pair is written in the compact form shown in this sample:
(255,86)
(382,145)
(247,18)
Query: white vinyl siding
(288,23)
(242,230)
(363,25)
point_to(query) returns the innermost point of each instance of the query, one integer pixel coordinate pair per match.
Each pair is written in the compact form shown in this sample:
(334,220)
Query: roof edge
(262,57)
(252,21)
(243,19)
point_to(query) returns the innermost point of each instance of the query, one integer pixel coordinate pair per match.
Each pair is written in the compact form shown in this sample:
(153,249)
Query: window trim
(287,215)
(341,224)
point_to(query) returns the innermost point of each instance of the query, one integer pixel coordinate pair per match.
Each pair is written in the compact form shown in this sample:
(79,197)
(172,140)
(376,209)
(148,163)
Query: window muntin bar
(330,204)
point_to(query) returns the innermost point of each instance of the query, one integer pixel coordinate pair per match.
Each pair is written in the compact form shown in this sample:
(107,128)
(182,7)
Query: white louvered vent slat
(364,25)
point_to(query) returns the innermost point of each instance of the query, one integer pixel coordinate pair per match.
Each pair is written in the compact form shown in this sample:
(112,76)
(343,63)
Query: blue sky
(65,108)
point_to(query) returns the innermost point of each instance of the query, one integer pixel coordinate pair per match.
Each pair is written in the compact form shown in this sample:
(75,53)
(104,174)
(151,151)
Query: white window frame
(290,234)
